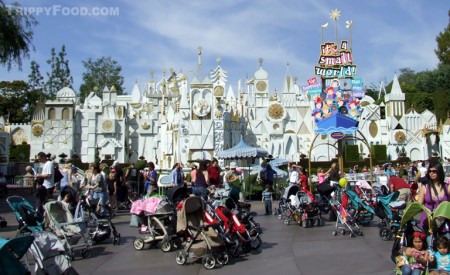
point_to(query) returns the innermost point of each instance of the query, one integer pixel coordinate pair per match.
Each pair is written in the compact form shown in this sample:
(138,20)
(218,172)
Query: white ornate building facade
(177,119)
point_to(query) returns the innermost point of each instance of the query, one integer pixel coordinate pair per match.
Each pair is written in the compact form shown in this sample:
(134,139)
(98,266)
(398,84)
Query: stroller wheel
(223,258)
(286,222)
(176,243)
(360,233)
(138,244)
(255,243)
(208,261)
(352,235)
(181,257)
(86,253)
(342,232)
(385,234)
(166,246)
(280,216)
(334,233)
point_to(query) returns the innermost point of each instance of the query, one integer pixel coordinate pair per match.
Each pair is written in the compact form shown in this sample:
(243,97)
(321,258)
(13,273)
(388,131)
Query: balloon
(342,182)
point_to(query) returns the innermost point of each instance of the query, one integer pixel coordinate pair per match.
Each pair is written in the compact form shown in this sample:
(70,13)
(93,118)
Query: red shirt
(304,182)
(398,183)
(213,175)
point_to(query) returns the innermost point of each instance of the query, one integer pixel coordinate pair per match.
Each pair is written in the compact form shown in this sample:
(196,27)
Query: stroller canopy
(11,251)
(291,190)
(440,216)
(412,210)
(191,213)
(176,194)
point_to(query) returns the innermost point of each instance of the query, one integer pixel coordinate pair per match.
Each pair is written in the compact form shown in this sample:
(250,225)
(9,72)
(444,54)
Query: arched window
(52,113)
(65,113)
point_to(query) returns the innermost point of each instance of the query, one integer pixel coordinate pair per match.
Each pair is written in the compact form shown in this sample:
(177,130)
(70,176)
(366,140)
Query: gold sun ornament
(335,14)
(400,137)
(37,131)
(276,111)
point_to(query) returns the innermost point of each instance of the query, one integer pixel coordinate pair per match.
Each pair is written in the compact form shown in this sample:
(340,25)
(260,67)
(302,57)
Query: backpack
(58,176)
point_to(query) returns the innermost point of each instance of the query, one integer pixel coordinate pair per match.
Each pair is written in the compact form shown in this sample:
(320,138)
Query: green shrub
(379,152)
(20,153)
(351,152)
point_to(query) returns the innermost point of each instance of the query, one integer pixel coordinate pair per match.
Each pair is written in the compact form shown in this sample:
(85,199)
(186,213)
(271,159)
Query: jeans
(268,206)
(406,270)
(201,192)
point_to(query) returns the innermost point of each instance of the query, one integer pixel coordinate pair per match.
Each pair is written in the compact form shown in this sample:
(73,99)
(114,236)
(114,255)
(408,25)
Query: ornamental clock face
(400,137)
(218,91)
(261,86)
(276,111)
(37,131)
(107,125)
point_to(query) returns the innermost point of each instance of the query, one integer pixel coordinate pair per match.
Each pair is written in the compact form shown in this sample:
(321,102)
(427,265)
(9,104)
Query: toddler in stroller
(203,241)
(157,224)
(288,205)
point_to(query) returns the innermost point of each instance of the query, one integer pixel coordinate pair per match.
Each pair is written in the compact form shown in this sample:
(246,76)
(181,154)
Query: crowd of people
(113,184)
(428,180)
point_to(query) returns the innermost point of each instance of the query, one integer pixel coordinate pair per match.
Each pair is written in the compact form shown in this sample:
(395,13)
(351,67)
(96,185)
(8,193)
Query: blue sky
(387,35)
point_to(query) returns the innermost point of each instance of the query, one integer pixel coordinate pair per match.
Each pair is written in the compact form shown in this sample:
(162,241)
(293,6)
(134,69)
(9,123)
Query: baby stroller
(11,251)
(234,232)
(344,221)
(60,221)
(381,186)
(388,209)
(158,226)
(28,218)
(309,211)
(325,193)
(245,216)
(291,205)
(49,255)
(360,210)
(364,190)
(202,241)
(408,226)
(99,225)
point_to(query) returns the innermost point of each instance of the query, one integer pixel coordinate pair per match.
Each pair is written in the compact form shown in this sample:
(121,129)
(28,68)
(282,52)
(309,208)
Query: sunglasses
(432,171)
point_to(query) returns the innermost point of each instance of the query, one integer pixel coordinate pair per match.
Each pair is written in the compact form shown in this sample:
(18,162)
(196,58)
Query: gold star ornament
(335,14)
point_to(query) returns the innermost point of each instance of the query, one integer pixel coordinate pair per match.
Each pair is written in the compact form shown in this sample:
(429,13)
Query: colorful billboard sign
(335,62)
(314,87)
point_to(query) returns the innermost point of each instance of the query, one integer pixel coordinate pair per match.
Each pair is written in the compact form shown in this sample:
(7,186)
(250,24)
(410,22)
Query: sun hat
(233,165)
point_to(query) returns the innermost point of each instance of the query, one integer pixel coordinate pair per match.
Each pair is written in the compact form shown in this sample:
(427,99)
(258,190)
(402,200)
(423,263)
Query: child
(416,256)
(442,257)
(320,175)
(267,199)
(41,196)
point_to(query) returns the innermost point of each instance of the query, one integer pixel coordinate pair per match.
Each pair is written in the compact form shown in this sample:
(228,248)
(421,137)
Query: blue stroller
(28,218)
(388,209)
(11,251)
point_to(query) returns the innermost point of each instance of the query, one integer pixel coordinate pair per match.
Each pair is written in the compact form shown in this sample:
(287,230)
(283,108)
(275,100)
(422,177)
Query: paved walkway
(286,249)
